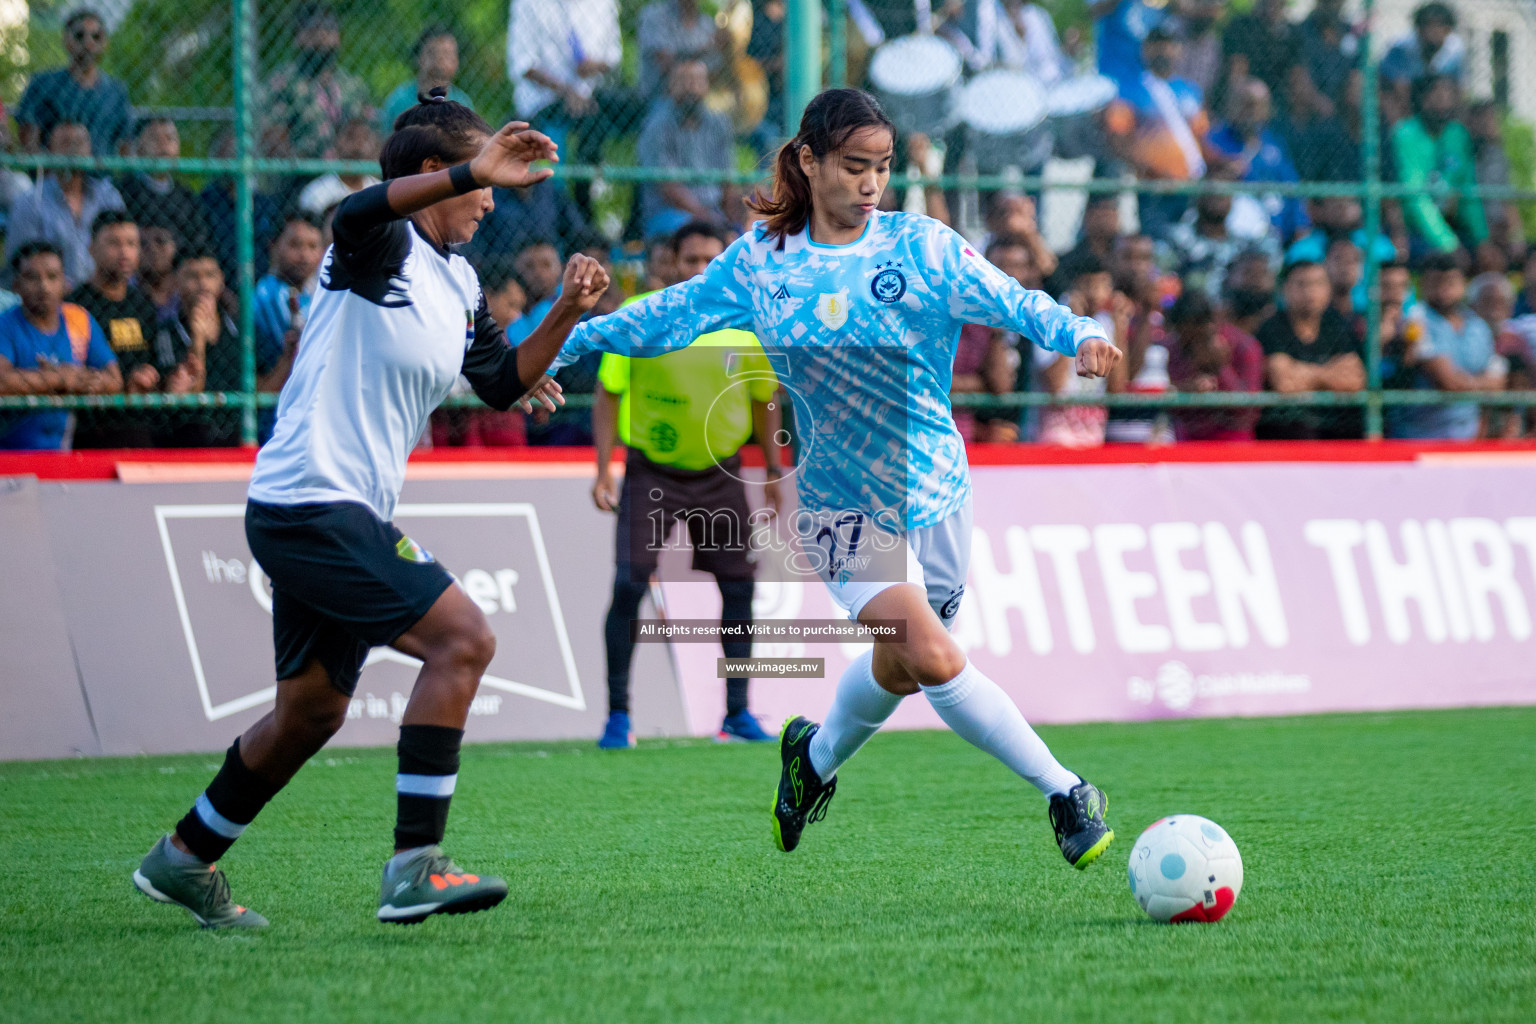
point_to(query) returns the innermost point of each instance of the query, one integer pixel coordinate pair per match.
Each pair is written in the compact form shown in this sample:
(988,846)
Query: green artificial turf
(1389,876)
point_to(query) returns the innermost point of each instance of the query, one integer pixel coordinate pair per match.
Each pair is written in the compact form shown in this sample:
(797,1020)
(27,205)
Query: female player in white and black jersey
(397,319)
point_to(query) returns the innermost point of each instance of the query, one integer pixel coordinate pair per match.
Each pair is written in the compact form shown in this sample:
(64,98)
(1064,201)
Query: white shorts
(936,557)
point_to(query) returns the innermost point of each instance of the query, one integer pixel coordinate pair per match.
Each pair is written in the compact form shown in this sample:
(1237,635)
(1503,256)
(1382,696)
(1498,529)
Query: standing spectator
(1101,226)
(159,197)
(1201,247)
(61,209)
(1201,63)
(1330,52)
(766,46)
(206,344)
(355,141)
(1308,346)
(1249,291)
(673,31)
(306,101)
(1454,353)
(1254,152)
(48,347)
(282,299)
(538,264)
(1082,426)
(1263,45)
(681,133)
(158,245)
(436,56)
(1120,28)
(1432,148)
(1159,127)
(1432,49)
(1205,356)
(218,205)
(1324,146)
(1345,265)
(79,94)
(562,56)
(1012,34)
(1011,216)
(1505,232)
(544,212)
(126,316)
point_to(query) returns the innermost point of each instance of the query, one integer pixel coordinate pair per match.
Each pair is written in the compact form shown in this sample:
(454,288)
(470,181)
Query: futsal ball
(1186,868)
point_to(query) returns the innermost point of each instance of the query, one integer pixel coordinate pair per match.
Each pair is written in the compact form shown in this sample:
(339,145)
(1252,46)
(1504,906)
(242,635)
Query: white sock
(984,716)
(859,709)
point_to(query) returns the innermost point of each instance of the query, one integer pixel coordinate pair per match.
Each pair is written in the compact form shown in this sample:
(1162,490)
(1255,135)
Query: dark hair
(83,14)
(297,216)
(830,119)
(67,122)
(700,229)
(1432,12)
(143,123)
(188,253)
(1444,262)
(1089,264)
(436,30)
(27,250)
(1005,242)
(1192,306)
(1395,264)
(1342,238)
(309,13)
(1291,268)
(1161,33)
(495,273)
(436,126)
(109,219)
(1419,91)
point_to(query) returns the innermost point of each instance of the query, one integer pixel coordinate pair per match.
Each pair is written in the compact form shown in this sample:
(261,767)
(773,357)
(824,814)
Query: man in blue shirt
(1120,27)
(48,347)
(61,210)
(80,92)
(1257,153)
(1455,353)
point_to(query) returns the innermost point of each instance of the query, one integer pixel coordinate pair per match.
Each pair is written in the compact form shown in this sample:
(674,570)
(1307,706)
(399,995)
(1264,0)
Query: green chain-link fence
(233,115)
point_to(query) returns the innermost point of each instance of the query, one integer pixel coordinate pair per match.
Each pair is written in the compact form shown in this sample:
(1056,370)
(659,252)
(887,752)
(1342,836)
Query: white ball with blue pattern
(1186,868)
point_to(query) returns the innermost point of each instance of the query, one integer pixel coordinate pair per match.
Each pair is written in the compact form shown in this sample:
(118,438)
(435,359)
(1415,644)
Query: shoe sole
(422,911)
(1095,850)
(773,811)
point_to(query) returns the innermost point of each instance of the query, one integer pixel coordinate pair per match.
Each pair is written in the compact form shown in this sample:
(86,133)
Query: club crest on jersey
(890,284)
(469,326)
(412,552)
(832,309)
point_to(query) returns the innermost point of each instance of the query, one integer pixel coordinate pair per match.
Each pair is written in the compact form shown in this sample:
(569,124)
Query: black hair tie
(438,95)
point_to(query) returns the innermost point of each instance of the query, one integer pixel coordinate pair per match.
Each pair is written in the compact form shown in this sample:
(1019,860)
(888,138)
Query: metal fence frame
(815,46)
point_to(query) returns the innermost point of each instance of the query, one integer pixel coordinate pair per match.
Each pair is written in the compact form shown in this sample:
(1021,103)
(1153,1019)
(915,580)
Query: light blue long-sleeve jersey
(863,338)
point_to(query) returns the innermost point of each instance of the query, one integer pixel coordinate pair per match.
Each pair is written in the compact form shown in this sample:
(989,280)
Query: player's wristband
(463,179)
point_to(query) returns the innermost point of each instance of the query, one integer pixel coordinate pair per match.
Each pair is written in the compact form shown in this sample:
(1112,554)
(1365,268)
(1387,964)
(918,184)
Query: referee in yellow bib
(683,418)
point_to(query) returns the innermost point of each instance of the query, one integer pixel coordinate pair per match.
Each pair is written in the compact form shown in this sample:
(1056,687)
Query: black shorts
(712,503)
(343,582)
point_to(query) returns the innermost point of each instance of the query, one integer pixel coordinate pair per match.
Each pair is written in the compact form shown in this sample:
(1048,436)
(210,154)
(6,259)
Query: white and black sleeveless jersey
(395,321)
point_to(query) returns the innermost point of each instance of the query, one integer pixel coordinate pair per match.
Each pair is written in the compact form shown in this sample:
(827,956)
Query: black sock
(736,607)
(627,595)
(230,803)
(429,769)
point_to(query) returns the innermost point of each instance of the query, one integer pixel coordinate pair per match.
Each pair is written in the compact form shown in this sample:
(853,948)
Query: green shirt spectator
(695,404)
(307,100)
(1431,149)
(436,56)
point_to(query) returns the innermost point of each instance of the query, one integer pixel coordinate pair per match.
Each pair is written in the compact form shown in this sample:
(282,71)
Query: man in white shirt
(560,56)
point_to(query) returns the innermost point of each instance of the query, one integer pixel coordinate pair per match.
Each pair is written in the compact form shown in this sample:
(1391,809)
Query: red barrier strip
(102,464)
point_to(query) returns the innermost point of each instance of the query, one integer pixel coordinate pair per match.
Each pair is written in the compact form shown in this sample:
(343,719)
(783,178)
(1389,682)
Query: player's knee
(314,721)
(935,661)
(474,647)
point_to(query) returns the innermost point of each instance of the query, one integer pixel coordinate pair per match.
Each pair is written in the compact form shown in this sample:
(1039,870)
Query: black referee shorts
(712,503)
(343,582)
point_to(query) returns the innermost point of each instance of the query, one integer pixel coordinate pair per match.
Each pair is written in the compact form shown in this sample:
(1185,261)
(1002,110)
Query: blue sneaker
(617,734)
(741,728)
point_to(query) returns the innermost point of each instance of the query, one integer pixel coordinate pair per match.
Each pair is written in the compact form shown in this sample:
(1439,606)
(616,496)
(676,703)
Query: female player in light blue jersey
(859,310)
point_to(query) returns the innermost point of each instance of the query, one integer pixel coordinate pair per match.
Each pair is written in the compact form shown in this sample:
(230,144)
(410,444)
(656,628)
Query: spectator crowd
(125,284)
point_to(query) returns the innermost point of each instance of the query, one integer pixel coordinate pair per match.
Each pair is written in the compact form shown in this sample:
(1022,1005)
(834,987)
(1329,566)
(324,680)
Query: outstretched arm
(982,294)
(673,317)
